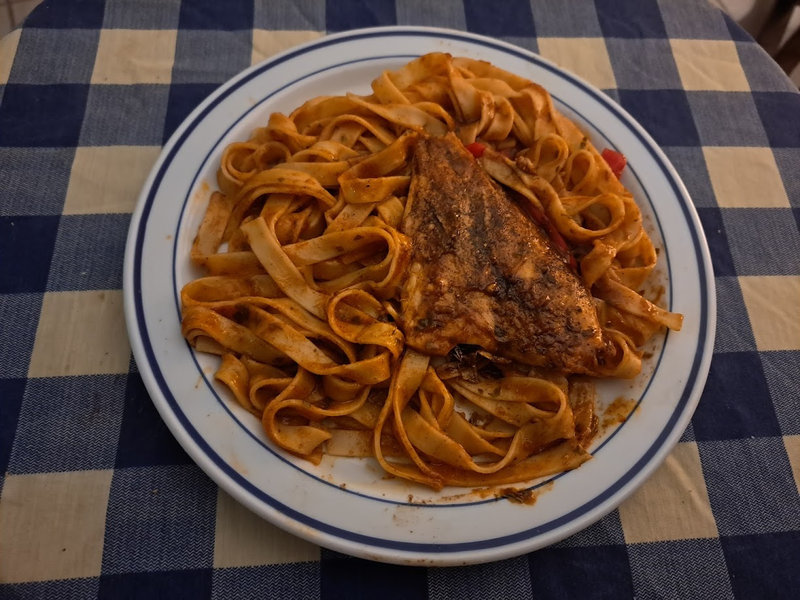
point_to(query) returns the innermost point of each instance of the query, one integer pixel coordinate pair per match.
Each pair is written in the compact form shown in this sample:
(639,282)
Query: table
(96,497)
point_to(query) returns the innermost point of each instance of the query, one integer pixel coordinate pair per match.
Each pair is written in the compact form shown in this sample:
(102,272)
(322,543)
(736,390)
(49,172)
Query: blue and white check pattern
(96,497)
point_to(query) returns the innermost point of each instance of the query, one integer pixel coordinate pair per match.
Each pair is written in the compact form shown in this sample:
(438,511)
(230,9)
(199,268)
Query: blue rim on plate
(373,546)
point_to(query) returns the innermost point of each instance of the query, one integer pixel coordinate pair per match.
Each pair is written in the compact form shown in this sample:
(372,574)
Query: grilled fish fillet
(483,273)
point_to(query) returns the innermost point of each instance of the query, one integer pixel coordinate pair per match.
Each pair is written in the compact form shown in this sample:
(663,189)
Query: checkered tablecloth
(96,497)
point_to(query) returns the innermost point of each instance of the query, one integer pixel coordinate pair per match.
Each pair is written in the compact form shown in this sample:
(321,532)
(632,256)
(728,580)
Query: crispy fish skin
(483,273)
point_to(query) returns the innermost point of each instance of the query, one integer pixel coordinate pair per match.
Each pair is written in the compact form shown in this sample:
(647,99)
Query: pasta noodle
(305,262)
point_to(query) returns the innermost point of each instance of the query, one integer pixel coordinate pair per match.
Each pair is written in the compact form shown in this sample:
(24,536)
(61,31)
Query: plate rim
(378,548)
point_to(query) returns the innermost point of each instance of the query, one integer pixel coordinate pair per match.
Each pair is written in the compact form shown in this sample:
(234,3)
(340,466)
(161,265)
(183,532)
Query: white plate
(347,504)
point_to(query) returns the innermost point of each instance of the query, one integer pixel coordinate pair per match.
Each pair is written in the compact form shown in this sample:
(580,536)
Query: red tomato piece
(477,149)
(616,161)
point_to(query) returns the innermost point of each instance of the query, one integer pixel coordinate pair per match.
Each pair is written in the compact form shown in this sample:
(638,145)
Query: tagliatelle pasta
(306,260)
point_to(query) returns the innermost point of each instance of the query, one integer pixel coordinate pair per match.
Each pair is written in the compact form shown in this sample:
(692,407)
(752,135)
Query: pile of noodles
(305,262)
